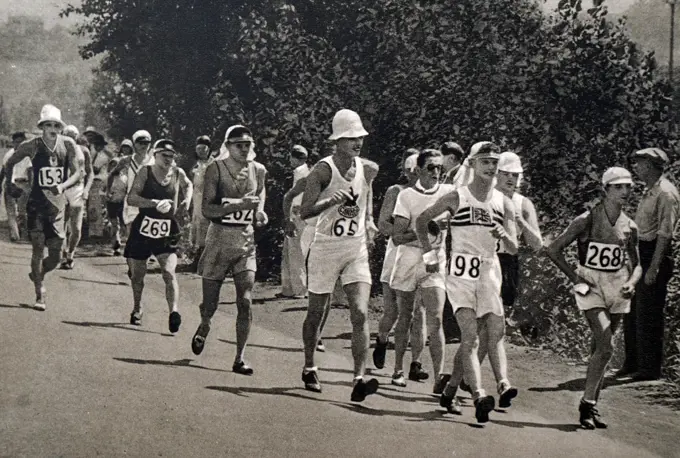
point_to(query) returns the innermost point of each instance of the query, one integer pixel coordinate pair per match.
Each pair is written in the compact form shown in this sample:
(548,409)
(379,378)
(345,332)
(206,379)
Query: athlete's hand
(251,202)
(261,219)
(164,205)
(244,174)
(371,231)
(650,276)
(339,197)
(498,231)
(290,229)
(86,195)
(627,290)
(186,203)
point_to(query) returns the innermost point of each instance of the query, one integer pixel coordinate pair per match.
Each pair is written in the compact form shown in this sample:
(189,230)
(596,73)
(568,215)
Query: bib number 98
(345,227)
(155,228)
(465,266)
(50,176)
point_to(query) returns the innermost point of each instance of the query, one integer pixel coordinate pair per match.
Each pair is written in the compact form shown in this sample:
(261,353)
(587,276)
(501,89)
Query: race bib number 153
(50,176)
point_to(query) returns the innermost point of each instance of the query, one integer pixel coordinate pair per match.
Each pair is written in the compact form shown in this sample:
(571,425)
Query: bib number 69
(345,227)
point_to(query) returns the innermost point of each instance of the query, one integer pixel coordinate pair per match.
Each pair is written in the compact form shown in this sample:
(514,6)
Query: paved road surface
(76,380)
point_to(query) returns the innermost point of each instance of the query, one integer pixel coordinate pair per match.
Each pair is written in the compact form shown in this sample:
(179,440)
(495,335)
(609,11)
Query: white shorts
(607,291)
(478,290)
(74,196)
(388,262)
(409,271)
(329,259)
(306,239)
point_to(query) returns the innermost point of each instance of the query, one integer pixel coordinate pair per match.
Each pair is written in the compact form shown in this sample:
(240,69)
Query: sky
(49,9)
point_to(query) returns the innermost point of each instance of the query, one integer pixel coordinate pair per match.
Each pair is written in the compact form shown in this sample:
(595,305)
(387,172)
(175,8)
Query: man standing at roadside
(656,218)
(15,201)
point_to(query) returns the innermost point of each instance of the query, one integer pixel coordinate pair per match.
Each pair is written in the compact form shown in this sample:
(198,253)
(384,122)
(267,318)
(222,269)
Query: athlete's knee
(358,316)
(168,274)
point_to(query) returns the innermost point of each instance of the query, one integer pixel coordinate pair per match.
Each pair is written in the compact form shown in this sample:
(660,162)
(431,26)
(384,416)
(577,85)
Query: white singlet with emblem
(348,219)
(471,227)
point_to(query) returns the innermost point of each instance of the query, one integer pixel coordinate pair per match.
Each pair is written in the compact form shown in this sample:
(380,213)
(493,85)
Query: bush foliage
(570,92)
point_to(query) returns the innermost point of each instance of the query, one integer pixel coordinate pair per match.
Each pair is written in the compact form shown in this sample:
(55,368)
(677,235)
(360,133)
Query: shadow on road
(27,263)
(430,415)
(121,326)
(386,392)
(304,309)
(178,363)
(579,384)
(268,347)
(98,282)
(275,391)
(659,393)
(20,306)
(567,428)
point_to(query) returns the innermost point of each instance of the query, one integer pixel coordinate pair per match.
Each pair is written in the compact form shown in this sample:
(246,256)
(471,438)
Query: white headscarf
(224,151)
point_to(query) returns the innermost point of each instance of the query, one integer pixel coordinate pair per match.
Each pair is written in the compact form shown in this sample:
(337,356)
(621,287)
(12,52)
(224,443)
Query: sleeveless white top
(471,225)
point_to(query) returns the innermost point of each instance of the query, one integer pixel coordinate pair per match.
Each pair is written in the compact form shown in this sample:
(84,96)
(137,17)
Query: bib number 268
(345,227)
(465,266)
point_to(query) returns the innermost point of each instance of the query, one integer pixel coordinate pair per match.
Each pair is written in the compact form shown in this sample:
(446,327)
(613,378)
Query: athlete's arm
(508,232)
(124,162)
(297,189)
(74,168)
(370,172)
(555,250)
(528,221)
(401,233)
(24,150)
(89,173)
(317,180)
(186,187)
(134,199)
(628,288)
(448,202)
(385,220)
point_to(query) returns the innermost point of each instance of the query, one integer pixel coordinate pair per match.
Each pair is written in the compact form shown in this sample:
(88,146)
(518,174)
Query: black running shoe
(506,397)
(416,372)
(589,417)
(200,336)
(174,321)
(136,318)
(362,389)
(451,404)
(482,408)
(242,368)
(311,380)
(440,384)
(379,353)
(465,387)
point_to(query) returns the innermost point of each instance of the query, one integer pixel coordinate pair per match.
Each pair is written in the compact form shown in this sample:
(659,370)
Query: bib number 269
(155,228)
(345,227)
(465,266)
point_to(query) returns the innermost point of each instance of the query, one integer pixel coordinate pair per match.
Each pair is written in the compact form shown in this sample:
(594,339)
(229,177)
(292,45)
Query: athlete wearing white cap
(609,268)
(55,168)
(481,217)
(337,192)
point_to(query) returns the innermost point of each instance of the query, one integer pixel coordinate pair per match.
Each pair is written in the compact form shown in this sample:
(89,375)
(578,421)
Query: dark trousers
(644,325)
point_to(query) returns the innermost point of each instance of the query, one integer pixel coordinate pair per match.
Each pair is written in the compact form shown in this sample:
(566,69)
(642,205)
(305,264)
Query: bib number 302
(465,266)
(345,227)
(155,228)
(50,176)
(604,256)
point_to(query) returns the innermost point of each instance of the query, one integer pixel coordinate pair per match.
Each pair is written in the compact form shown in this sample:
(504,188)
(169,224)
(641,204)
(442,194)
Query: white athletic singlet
(130,213)
(471,225)
(348,219)
(413,201)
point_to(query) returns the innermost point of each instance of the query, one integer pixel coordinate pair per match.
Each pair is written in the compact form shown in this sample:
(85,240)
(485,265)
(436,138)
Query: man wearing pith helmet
(656,217)
(337,192)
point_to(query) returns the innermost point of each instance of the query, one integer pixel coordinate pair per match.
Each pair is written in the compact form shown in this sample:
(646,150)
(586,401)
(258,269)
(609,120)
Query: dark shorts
(510,272)
(50,226)
(141,248)
(114,210)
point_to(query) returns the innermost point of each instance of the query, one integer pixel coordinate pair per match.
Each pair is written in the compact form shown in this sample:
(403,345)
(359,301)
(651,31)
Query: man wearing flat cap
(199,223)
(656,218)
